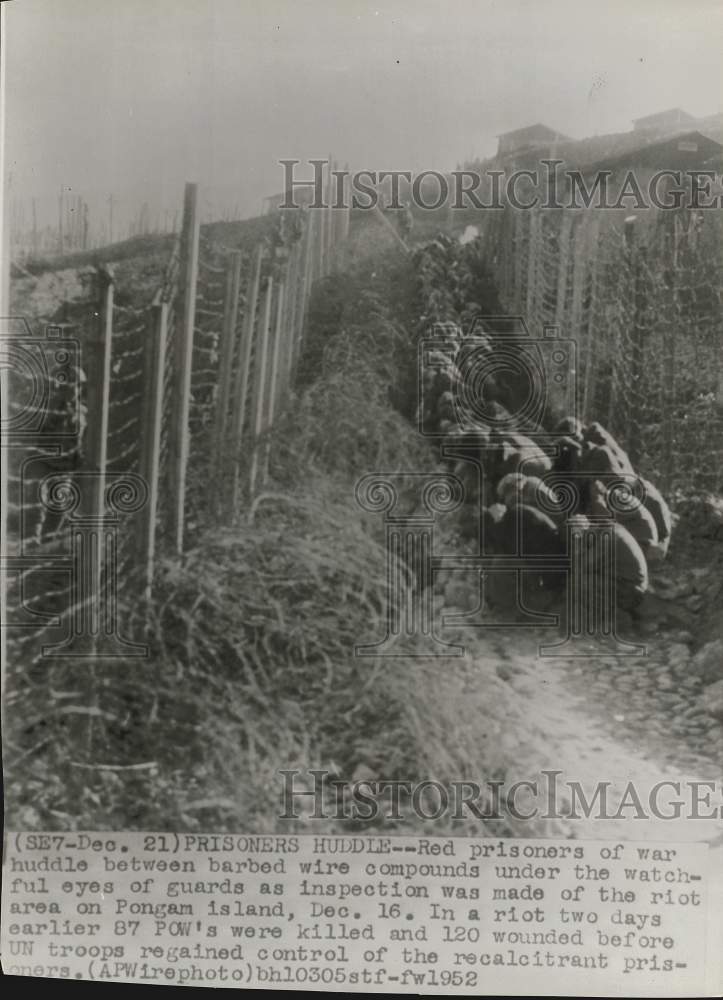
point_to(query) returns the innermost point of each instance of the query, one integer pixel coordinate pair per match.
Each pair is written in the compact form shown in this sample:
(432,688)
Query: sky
(136,97)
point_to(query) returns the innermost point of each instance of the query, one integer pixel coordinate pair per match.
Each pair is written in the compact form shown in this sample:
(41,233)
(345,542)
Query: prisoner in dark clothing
(525,531)
(569,455)
(631,569)
(569,427)
(634,515)
(568,462)
(516,488)
(498,536)
(597,462)
(660,512)
(521,453)
(601,460)
(596,434)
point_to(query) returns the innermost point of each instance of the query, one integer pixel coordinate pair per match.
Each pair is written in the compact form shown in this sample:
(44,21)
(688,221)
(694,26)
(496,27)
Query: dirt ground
(641,718)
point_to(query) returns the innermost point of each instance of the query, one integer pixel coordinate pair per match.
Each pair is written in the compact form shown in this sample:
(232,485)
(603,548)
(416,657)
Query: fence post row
(241,385)
(154,368)
(228,344)
(184,362)
(596,273)
(98,386)
(532,262)
(260,366)
(329,215)
(292,281)
(638,277)
(257,358)
(318,217)
(563,270)
(273,374)
(669,352)
(88,584)
(305,286)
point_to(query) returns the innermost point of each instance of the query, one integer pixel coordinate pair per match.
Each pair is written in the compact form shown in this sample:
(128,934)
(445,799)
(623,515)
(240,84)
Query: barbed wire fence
(131,427)
(641,297)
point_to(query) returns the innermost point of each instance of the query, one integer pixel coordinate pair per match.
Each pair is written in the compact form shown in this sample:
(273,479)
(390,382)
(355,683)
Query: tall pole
(260,367)
(228,343)
(60,220)
(154,369)
(184,360)
(241,388)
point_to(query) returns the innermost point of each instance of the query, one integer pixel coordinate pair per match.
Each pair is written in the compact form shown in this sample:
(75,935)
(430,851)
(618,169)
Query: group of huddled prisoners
(522,496)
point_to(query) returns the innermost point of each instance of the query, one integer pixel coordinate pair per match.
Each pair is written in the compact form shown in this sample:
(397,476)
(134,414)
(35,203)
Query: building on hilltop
(674,119)
(685,151)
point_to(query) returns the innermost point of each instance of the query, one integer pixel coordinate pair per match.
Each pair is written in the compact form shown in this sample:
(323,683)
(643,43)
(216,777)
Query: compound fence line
(177,397)
(641,297)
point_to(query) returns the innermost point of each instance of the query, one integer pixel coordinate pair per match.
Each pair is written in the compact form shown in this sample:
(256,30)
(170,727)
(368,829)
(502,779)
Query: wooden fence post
(241,388)
(637,263)
(578,242)
(670,330)
(291,282)
(98,395)
(563,272)
(580,249)
(184,362)
(153,373)
(273,378)
(319,230)
(298,307)
(346,212)
(533,264)
(228,343)
(330,216)
(591,347)
(260,369)
(98,371)
(519,262)
(305,289)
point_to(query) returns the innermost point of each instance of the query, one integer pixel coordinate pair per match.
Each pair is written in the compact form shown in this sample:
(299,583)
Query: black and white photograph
(362,486)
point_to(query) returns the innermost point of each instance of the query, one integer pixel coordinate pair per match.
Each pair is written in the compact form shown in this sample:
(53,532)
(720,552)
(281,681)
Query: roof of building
(664,153)
(662,115)
(537,129)
(584,154)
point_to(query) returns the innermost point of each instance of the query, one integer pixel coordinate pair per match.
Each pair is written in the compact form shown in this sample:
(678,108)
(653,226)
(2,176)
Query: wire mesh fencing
(641,298)
(156,422)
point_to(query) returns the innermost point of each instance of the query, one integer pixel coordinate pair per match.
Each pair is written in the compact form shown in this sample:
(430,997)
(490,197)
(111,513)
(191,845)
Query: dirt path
(619,719)
(641,719)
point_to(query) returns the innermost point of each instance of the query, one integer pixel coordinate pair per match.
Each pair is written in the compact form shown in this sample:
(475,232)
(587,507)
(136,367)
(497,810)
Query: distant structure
(683,151)
(712,121)
(526,138)
(273,202)
(662,122)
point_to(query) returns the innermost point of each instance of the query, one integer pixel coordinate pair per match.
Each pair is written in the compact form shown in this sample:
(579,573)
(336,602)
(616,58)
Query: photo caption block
(362,913)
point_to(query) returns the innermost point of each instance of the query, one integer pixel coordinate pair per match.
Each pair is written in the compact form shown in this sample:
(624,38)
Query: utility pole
(60,219)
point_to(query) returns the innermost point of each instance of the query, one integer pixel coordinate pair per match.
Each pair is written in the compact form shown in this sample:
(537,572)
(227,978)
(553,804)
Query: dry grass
(252,634)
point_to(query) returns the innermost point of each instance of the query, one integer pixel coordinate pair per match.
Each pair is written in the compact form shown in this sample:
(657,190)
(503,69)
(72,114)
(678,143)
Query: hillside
(252,667)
